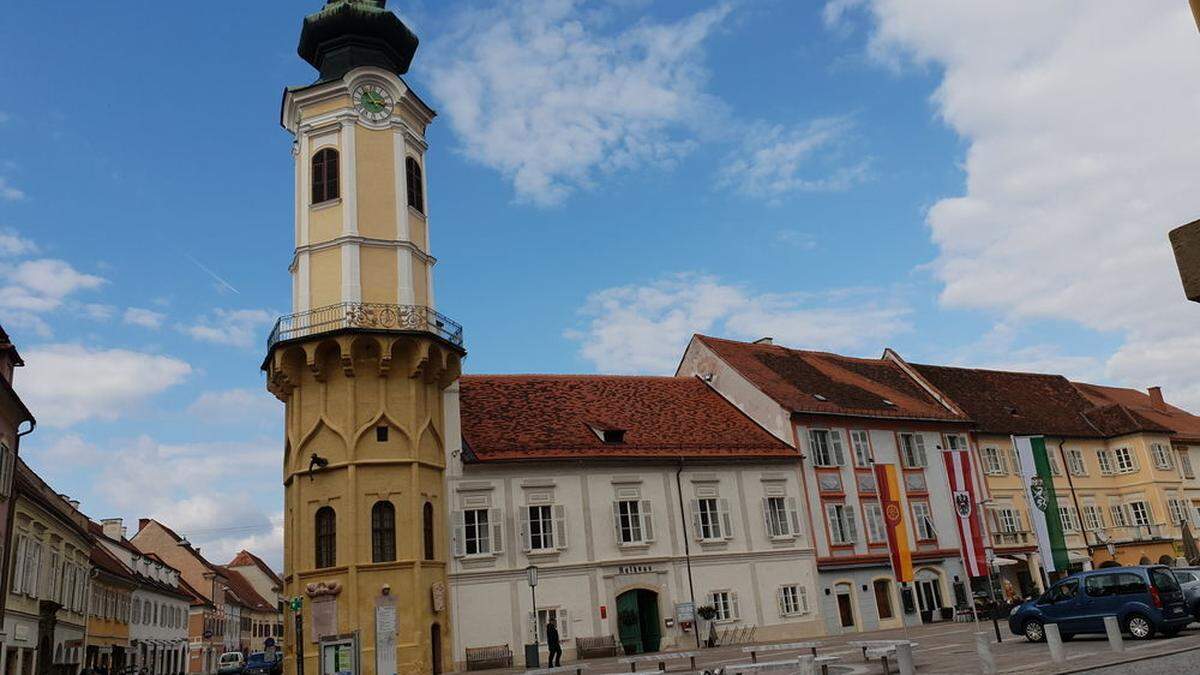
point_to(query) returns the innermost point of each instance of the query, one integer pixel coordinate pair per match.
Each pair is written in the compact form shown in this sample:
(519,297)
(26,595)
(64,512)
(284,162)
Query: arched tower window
(326,537)
(383,532)
(428,522)
(324,176)
(416,188)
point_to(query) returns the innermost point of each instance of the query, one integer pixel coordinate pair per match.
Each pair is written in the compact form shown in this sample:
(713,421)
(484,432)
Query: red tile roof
(846,385)
(514,417)
(1184,425)
(245,558)
(244,590)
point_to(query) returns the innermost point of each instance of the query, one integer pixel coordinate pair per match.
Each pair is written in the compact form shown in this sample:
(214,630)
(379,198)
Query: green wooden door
(650,625)
(629,622)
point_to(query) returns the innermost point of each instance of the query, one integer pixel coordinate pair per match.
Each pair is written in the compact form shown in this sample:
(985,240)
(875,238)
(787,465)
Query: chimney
(765,341)
(1156,397)
(113,528)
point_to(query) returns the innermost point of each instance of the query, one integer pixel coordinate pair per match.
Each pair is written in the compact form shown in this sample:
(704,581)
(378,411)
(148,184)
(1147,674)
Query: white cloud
(145,318)
(232,327)
(99,311)
(239,404)
(8,192)
(644,328)
(1081,156)
(14,244)
(550,99)
(64,384)
(774,160)
(41,285)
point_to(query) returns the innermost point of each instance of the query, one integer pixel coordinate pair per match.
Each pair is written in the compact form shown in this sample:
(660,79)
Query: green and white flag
(1039,490)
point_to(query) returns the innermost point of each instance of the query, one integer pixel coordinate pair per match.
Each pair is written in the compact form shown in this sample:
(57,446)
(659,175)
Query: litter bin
(531,657)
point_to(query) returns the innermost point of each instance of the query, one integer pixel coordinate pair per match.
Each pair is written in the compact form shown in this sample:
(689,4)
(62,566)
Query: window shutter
(733,603)
(18,574)
(525,529)
(766,511)
(459,540)
(561,538)
(496,520)
(617,522)
(803,598)
(835,440)
(851,525)
(726,522)
(698,531)
(836,535)
(647,521)
(779,601)
(793,513)
(31,569)
(564,624)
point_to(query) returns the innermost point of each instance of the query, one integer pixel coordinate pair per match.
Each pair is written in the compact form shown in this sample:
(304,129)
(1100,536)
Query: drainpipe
(1062,456)
(687,553)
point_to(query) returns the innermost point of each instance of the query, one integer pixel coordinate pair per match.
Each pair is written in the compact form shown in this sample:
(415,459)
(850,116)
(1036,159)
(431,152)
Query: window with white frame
(726,604)
(1075,463)
(711,519)
(1055,469)
(1008,519)
(544,527)
(1177,510)
(826,447)
(793,600)
(912,450)
(633,521)
(480,531)
(556,614)
(1126,462)
(1185,464)
(1162,456)
(924,521)
(1093,517)
(781,517)
(873,516)
(861,442)
(1120,515)
(1139,512)
(992,462)
(956,442)
(1104,461)
(1070,519)
(843,529)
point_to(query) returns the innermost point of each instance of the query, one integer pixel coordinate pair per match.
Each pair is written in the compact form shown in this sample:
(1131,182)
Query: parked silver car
(1189,581)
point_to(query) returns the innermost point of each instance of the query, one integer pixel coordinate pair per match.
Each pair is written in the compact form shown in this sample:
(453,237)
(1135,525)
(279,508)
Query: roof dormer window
(819,397)
(607,433)
(889,403)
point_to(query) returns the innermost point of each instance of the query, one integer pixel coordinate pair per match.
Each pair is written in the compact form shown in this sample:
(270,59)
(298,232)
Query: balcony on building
(368,317)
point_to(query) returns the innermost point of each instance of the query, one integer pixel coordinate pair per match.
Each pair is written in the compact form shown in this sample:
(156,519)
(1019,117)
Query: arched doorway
(435,643)
(638,621)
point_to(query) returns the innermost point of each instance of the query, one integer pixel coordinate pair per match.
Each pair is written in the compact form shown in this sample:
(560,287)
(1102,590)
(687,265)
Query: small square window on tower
(381,434)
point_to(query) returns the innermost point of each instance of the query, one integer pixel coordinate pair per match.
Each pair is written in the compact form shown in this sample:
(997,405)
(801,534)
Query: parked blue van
(1145,599)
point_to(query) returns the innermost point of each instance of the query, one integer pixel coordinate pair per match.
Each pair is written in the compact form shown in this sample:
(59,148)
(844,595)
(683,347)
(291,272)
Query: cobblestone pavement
(949,649)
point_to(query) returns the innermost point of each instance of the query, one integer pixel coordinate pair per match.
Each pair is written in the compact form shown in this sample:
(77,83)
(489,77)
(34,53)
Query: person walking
(553,644)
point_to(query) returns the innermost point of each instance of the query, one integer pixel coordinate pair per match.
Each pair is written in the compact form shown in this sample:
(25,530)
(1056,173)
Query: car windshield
(1163,579)
(230,658)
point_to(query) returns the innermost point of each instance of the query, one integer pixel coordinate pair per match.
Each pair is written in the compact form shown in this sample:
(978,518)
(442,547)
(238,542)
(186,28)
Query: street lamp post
(531,575)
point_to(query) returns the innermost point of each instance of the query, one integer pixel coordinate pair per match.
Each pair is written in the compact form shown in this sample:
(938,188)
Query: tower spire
(347,34)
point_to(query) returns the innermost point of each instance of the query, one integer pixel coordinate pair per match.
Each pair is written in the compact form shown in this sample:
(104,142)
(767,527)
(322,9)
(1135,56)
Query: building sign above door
(636,569)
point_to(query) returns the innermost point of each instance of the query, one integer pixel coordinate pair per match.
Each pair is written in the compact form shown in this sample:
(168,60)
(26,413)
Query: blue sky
(965,183)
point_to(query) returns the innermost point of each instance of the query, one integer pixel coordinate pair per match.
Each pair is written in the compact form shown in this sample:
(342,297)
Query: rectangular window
(873,515)
(712,520)
(477,532)
(1070,520)
(1104,460)
(793,600)
(725,602)
(1177,510)
(1009,522)
(843,529)
(541,528)
(912,450)
(861,442)
(923,519)
(1075,463)
(1055,469)
(1126,463)
(632,520)
(1139,513)
(781,518)
(556,614)
(1162,456)
(1120,516)
(826,447)
(1185,464)
(1093,517)
(992,465)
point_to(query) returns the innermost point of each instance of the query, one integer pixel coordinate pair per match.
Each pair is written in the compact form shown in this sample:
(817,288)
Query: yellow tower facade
(362,363)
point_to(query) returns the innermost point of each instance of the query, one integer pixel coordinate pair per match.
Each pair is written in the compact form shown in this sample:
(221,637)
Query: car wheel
(1034,630)
(1139,627)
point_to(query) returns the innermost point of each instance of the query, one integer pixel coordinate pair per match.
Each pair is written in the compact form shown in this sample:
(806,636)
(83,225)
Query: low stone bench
(659,658)
(494,656)
(754,650)
(868,645)
(802,663)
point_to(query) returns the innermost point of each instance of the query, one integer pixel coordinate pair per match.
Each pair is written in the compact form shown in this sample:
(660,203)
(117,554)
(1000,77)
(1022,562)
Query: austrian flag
(966,500)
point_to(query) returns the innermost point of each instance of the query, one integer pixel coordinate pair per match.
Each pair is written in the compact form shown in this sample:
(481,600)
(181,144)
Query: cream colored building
(611,486)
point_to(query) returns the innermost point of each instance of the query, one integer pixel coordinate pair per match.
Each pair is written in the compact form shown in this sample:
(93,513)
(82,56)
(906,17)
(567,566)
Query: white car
(230,663)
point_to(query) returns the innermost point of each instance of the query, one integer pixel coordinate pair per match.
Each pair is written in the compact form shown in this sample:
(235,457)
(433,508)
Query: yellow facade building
(109,607)
(363,362)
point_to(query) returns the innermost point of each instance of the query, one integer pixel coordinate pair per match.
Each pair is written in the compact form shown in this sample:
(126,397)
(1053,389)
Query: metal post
(299,642)
(687,554)
(536,636)
(1054,641)
(992,592)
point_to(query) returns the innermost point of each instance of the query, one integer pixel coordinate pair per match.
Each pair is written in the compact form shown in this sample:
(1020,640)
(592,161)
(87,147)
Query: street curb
(1088,669)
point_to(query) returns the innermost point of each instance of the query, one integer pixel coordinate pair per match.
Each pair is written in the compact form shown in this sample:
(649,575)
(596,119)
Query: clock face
(373,102)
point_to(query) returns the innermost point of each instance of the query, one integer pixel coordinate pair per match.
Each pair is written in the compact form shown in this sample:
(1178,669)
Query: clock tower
(362,362)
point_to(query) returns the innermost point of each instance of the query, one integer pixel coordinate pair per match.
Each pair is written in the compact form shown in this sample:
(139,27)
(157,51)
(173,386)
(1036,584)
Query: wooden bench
(593,647)
(573,669)
(660,658)
(754,650)
(494,656)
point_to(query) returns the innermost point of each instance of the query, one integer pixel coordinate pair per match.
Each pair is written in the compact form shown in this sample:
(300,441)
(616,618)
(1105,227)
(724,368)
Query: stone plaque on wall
(438,596)
(385,635)
(324,617)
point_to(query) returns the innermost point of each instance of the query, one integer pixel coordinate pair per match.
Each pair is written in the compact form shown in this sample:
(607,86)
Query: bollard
(904,658)
(807,667)
(1054,640)
(1116,641)
(983,645)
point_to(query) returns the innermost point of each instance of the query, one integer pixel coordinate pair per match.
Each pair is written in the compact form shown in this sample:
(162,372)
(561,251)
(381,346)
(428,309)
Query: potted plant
(708,613)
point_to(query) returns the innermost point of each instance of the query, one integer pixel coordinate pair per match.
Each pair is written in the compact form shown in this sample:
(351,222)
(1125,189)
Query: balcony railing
(1011,538)
(1137,532)
(367,316)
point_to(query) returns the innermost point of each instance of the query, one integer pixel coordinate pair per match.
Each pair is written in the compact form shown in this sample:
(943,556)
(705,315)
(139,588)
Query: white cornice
(361,241)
